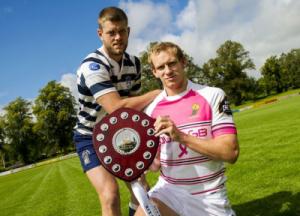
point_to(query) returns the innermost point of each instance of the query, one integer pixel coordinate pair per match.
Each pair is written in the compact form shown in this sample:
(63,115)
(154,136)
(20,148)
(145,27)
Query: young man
(197,134)
(104,78)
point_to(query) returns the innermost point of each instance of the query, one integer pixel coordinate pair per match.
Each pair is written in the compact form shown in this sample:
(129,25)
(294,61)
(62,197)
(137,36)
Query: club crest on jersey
(86,157)
(224,107)
(195,109)
(94,66)
(128,82)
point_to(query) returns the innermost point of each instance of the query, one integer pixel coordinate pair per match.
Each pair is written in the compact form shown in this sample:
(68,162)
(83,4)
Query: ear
(100,32)
(128,29)
(184,62)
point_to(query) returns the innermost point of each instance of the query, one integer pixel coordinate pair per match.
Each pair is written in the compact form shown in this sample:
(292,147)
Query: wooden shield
(125,143)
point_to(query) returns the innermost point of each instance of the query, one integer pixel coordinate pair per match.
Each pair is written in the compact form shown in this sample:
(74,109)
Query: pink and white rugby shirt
(203,112)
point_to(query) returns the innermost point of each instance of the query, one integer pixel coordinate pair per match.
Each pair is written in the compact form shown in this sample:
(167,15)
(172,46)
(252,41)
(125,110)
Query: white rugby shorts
(185,204)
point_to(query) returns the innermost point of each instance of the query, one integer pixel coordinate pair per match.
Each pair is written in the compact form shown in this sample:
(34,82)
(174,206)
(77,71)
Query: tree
(149,82)
(290,69)
(194,72)
(18,129)
(263,87)
(228,71)
(2,141)
(55,117)
(272,75)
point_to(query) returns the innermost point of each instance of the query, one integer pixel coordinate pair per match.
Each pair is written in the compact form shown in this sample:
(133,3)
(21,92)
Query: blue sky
(44,40)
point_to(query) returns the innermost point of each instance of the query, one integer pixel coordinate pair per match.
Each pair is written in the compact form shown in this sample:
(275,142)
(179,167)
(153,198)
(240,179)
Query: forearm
(223,148)
(140,102)
(112,101)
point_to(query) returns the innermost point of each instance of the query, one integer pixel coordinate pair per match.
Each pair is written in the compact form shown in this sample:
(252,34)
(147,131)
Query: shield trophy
(125,144)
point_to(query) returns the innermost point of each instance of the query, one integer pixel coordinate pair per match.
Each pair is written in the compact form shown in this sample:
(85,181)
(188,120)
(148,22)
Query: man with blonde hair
(197,135)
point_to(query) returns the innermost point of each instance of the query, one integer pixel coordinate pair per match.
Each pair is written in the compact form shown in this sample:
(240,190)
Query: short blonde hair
(163,46)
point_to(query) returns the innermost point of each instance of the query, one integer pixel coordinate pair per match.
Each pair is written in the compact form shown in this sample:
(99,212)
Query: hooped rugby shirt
(97,75)
(200,111)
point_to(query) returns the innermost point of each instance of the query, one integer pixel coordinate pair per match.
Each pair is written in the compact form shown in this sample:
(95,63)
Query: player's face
(114,36)
(170,71)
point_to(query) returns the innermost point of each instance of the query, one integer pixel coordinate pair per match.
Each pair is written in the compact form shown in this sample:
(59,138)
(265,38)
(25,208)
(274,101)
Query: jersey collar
(178,96)
(113,62)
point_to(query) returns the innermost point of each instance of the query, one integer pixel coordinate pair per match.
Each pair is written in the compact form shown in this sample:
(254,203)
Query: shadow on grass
(283,203)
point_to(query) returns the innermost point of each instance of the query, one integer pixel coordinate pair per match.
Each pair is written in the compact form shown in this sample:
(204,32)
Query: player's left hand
(164,125)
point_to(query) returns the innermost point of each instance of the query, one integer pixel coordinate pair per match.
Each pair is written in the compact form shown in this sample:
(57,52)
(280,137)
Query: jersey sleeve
(97,78)
(150,109)
(222,119)
(137,87)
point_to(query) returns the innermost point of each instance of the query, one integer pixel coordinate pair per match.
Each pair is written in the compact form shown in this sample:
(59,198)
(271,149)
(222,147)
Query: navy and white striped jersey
(97,75)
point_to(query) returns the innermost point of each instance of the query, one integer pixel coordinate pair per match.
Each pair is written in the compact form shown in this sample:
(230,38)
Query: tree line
(32,131)
(228,70)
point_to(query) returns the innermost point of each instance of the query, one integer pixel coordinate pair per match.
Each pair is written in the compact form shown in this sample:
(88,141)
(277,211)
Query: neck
(176,91)
(117,58)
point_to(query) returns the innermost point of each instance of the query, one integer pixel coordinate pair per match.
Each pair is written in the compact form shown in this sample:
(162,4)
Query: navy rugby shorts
(85,150)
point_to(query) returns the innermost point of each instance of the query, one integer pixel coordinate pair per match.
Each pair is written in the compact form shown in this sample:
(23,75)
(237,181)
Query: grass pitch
(264,182)
(266,179)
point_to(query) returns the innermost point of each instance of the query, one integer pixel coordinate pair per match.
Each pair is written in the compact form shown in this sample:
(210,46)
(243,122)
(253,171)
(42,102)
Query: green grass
(266,179)
(264,182)
(59,189)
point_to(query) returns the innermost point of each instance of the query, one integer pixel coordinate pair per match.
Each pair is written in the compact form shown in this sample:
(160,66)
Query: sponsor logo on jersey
(183,150)
(163,139)
(198,132)
(94,66)
(224,107)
